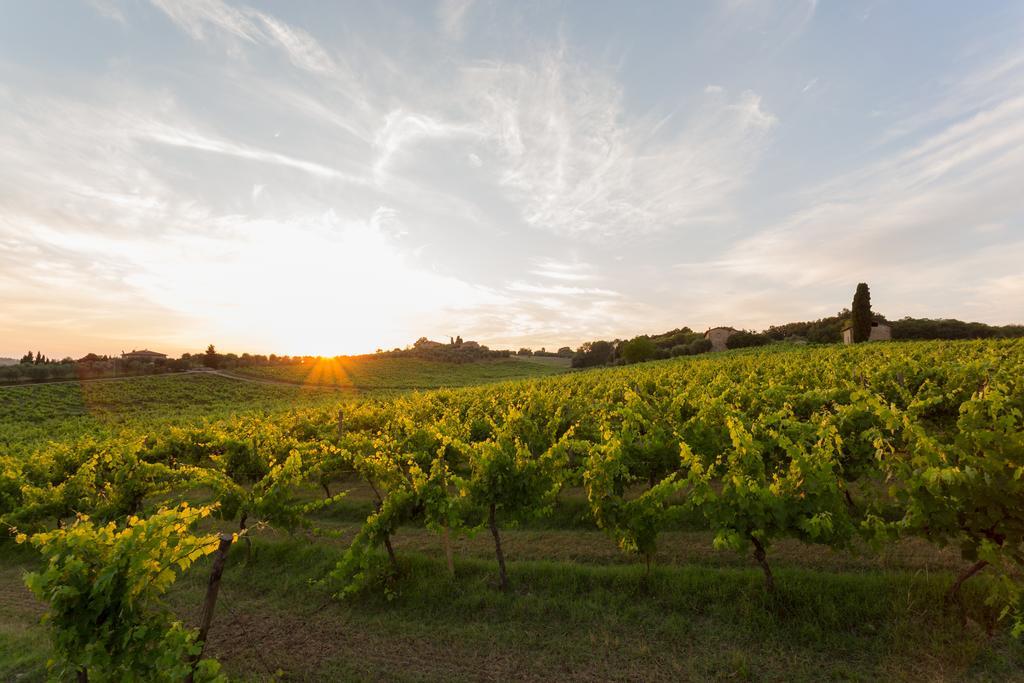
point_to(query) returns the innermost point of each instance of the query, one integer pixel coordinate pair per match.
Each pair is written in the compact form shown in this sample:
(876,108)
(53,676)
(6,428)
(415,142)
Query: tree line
(685,342)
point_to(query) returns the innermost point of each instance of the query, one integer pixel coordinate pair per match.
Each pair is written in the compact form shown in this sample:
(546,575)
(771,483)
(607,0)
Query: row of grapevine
(837,447)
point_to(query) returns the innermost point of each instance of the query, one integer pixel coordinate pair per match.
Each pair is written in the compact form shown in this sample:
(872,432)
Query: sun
(316,287)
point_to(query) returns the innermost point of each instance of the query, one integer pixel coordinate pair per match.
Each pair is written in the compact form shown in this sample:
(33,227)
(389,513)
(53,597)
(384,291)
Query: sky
(325,178)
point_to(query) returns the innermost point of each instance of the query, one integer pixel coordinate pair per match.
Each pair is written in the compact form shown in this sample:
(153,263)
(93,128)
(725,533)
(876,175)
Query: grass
(588,618)
(406,373)
(570,621)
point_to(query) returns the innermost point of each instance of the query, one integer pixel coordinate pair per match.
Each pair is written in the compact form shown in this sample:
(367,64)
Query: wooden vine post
(497,548)
(448,550)
(212,589)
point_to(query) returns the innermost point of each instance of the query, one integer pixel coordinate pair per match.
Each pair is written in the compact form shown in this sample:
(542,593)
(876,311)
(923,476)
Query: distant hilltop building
(424,343)
(879,332)
(145,355)
(718,337)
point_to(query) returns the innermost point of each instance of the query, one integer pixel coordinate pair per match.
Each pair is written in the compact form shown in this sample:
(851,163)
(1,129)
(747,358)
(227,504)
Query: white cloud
(175,136)
(402,128)
(452,17)
(561,270)
(302,49)
(110,9)
(926,223)
(579,164)
(197,17)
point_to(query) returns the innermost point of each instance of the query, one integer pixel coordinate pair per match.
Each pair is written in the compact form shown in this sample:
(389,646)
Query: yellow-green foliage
(827,445)
(103,586)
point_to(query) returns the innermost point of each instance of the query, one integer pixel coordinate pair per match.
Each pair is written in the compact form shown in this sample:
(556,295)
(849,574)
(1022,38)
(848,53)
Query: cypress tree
(861,317)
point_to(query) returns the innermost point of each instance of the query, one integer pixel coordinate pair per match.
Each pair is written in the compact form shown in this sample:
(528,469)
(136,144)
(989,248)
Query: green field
(859,469)
(405,373)
(35,414)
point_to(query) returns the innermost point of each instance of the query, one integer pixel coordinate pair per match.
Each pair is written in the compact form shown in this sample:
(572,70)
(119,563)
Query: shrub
(700,346)
(638,349)
(744,339)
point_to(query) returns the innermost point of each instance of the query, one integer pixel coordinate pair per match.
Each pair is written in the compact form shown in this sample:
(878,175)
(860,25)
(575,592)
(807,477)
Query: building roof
(144,352)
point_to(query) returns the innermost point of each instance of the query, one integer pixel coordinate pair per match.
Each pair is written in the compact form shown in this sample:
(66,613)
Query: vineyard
(31,415)
(786,512)
(405,373)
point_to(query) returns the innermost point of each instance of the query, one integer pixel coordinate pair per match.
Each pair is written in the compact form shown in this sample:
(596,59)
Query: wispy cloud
(183,137)
(580,164)
(561,270)
(204,19)
(200,16)
(452,17)
(911,220)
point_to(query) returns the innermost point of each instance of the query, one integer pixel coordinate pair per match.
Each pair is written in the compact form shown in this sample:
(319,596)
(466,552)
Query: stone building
(879,332)
(145,355)
(718,336)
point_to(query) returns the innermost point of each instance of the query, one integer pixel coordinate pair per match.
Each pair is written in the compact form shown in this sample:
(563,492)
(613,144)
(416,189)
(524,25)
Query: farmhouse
(718,336)
(879,332)
(145,356)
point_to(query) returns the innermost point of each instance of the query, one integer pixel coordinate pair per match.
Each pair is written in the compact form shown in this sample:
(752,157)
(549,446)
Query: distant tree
(211,358)
(680,336)
(949,328)
(699,346)
(823,331)
(745,338)
(458,341)
(39,358)
(28,358)
(525,352)
(638,349)
(860,315)
(565,352)
(593,354)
